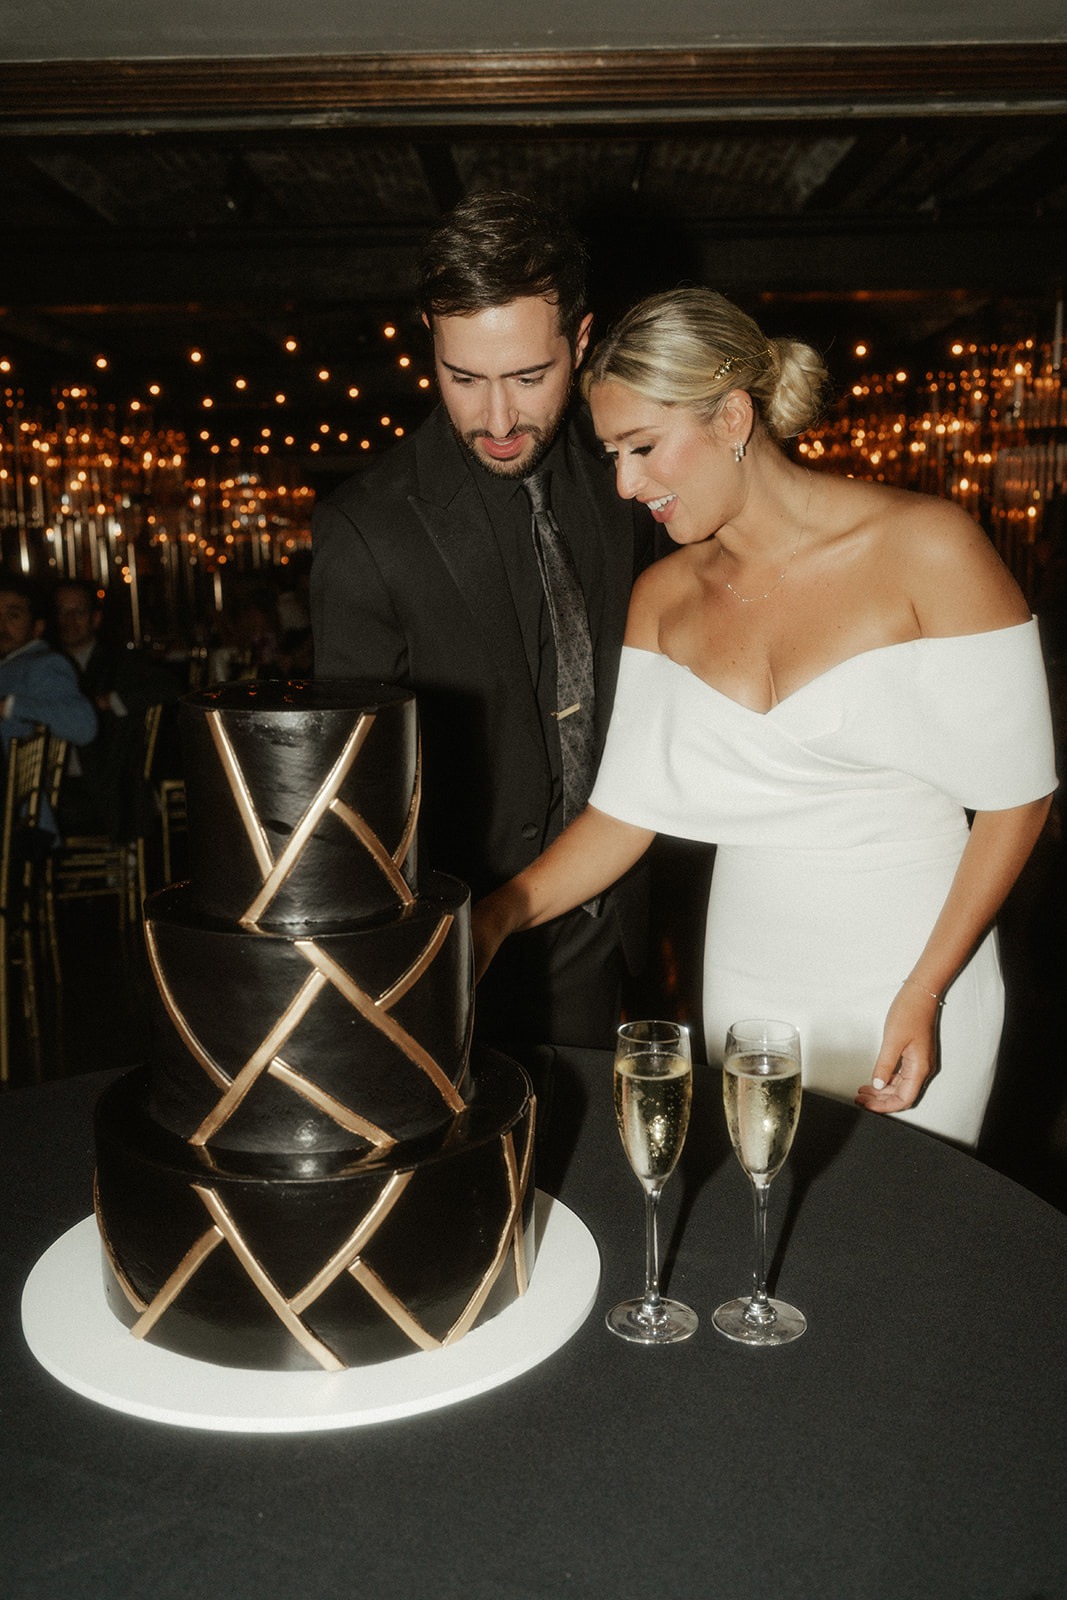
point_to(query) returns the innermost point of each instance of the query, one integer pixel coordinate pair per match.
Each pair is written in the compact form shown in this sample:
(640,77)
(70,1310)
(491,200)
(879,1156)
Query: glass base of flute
(653,1093)
(761,1093)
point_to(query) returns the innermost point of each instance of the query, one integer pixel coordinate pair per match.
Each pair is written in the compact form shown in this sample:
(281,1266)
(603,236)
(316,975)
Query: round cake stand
(75,1336)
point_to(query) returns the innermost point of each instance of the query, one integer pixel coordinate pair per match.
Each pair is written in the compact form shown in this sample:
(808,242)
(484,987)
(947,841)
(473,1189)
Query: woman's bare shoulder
(945,563)
(671,581)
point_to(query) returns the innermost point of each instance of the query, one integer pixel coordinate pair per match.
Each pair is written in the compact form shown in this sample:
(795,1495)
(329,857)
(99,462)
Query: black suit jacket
(408,586)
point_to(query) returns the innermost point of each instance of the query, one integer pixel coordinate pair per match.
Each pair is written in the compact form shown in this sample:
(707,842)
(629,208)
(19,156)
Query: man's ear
(38,627)
(581,339)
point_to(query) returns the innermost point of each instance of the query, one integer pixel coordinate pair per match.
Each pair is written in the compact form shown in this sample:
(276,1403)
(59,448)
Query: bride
(823,680)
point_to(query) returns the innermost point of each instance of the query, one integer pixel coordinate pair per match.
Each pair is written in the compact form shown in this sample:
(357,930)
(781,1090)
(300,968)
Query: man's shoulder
(412,467)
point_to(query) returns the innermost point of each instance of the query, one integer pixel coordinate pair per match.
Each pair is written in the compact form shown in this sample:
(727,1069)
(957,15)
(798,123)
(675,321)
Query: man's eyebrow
(520,372)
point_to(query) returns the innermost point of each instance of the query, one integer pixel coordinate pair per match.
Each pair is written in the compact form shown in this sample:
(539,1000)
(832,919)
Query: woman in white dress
(823,680)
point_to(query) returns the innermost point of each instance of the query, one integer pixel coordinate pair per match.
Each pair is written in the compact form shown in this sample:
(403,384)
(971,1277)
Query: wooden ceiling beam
(582,85)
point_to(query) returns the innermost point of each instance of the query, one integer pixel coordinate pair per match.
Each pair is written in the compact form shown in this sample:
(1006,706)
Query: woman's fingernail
(879,1083)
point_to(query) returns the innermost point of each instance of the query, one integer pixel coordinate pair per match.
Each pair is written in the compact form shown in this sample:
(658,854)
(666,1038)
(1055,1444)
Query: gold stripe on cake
(521,1182)
(315,1348)
(516,1189)
(374,1012)
(341,1114)
(400,854)
(407,980)
(239,789)
(136,1300)
(260,1059)
(187,1266)
(374,847)
(358,1239)
(279,872)
(394,1309)
(219,1078)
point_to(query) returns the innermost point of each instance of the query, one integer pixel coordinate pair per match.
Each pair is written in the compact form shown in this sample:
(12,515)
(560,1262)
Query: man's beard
(543,440)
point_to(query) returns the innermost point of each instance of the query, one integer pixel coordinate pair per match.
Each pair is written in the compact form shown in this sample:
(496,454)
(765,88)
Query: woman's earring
(739,451)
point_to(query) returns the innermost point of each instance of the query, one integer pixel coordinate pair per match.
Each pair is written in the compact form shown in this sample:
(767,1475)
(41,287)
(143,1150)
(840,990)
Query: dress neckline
(838,666)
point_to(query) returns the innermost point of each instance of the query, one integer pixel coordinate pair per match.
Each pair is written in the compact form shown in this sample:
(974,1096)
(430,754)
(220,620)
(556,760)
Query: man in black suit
(429,572)
(103,790)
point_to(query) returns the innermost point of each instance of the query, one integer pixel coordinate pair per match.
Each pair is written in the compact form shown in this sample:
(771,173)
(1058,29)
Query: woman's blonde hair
(690,347)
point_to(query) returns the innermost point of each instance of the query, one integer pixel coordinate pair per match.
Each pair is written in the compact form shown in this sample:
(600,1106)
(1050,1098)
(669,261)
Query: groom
(435,569)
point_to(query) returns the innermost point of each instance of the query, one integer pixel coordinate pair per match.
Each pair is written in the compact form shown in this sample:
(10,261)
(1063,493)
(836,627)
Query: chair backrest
(55,765)
(152,719)
(23,789)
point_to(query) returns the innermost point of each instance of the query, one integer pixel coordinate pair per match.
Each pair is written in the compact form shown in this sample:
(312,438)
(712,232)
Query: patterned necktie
(574,650)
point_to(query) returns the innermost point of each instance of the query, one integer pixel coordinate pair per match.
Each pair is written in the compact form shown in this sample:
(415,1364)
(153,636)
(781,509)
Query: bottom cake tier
(306,1266)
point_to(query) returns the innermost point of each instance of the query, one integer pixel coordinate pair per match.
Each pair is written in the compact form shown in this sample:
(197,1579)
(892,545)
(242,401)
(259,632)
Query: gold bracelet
(924,989)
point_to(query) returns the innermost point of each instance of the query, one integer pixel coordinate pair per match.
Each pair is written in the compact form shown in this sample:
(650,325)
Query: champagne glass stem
(652,1308)
(758,1309)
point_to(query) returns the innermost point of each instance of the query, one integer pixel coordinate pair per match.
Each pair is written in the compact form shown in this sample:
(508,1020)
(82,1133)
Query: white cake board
(78,1339)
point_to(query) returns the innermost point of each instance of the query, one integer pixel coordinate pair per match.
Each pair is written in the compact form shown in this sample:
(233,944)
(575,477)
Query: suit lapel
(451,510)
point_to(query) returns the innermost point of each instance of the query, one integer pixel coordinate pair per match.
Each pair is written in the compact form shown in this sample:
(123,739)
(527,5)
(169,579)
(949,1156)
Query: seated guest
(36,683)
(102,787)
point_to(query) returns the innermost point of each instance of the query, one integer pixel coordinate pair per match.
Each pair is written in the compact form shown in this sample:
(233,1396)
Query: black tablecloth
(913,1444)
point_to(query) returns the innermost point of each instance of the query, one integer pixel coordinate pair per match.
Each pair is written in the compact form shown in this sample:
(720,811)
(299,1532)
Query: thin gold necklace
(750,599)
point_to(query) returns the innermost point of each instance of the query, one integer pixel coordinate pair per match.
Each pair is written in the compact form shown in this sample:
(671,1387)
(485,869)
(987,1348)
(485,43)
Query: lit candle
(1057,337)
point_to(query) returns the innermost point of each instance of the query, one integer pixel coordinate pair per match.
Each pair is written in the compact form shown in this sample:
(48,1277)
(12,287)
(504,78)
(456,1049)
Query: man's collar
(31,644)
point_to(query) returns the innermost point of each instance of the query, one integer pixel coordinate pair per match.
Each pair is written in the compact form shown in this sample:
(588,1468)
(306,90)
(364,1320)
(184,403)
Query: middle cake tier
(335,1042)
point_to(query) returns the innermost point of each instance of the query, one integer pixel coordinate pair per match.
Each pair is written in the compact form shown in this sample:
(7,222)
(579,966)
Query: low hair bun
(691,346)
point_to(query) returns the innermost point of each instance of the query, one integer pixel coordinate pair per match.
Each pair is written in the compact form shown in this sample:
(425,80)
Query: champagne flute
(653,1093)
(761,1092)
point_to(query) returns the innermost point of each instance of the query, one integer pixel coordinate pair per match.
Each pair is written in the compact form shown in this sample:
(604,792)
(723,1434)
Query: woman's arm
(995,854)
(587,858)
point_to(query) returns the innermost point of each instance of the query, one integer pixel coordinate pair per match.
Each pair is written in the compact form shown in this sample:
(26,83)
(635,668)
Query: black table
(913,1444)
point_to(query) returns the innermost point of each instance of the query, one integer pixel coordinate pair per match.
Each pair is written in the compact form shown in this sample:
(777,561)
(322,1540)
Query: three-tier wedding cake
(314,1171)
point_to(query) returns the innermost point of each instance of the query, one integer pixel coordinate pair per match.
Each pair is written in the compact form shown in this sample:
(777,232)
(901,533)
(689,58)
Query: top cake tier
(303,799)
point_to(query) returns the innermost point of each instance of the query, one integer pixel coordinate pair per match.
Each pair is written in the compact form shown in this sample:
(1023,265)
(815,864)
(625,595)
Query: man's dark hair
(83,586)
(495,247)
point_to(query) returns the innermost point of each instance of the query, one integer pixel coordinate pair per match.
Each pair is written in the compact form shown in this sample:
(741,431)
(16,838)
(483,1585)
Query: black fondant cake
(312,1172)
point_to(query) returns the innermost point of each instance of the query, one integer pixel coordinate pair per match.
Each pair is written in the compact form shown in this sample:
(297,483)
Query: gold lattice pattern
(292,1310)
(267,1057)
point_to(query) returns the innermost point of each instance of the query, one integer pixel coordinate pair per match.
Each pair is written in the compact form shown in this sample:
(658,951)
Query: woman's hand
(587,858)
(908,1057)
(490,926)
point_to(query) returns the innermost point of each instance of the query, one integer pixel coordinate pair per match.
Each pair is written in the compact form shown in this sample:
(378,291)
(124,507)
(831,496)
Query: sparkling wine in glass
(761,1092)
(653,1093)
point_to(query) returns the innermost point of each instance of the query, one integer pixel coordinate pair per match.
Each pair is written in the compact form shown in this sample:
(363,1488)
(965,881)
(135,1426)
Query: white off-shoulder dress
(839,817)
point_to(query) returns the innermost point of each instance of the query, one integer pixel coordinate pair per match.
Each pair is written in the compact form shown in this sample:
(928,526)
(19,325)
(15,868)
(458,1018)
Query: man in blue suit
(36,683)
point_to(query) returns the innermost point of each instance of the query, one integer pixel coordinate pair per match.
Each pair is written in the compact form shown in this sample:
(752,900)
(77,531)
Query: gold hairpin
(724,367)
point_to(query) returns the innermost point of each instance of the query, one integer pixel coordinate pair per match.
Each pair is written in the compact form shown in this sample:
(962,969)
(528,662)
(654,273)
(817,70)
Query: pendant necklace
(750,599)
